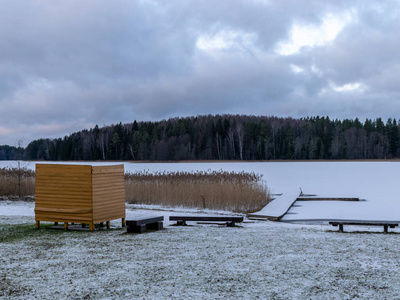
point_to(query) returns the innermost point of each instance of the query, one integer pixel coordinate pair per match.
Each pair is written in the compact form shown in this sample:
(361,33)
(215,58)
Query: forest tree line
(11,152)
(227,137)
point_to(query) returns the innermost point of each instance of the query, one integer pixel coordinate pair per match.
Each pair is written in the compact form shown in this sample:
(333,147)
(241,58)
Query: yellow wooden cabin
(79,194)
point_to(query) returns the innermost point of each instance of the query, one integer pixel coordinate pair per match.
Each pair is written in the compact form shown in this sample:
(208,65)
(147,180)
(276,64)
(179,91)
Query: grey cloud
(71,64)
(366,52)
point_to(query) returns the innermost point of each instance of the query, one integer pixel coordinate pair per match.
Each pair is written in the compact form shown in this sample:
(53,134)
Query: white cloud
(209,43)
(38,84)
(226,39)
(296,69)
(348,87)
(316,70)
(308,35)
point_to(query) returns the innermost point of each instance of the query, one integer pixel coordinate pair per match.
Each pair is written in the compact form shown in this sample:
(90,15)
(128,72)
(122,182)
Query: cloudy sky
(69,65)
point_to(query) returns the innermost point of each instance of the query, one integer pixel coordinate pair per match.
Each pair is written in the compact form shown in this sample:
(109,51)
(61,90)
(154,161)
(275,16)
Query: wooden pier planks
(278,207)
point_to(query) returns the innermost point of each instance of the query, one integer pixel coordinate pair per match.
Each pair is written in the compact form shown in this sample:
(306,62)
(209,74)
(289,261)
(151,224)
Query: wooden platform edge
(256,216)
(326,199)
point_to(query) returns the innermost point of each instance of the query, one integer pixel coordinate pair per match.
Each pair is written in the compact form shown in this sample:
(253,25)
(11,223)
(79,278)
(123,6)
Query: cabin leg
(385,228)
(91,226)
(108,224)
(37,224)
(55,223)
(340,227)
(65,225)
(123,222)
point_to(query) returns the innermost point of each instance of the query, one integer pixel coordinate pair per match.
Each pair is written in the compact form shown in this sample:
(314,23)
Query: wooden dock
(307,198)
(278,207)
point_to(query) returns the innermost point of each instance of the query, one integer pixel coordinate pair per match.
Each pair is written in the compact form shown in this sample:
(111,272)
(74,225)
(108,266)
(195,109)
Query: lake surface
(376,183)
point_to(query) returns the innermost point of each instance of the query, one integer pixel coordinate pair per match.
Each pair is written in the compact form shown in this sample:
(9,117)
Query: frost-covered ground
(264,260)
(260,260)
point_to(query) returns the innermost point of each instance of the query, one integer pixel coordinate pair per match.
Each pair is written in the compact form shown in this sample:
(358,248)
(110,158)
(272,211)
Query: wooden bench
(230,220)
(141,225)
(385,224)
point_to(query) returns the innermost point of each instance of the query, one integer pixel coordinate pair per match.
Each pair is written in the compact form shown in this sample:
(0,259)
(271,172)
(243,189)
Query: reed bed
(17,182)
(215,190)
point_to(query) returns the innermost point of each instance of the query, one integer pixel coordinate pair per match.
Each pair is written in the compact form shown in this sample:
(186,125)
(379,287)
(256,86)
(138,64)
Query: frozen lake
(376,183)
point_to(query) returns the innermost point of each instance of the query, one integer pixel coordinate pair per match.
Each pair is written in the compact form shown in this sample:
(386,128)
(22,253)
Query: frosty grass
(260,260)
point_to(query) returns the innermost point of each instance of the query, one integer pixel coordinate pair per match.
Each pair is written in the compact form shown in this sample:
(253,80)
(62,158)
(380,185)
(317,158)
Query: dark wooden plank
(207,218)
(141,225)
(136,229)
(327,199)
(144,221)
(380,223)
(385,224)
(155,226)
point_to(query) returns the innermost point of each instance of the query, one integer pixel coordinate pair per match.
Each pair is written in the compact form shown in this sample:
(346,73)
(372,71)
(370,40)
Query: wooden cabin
(79,194)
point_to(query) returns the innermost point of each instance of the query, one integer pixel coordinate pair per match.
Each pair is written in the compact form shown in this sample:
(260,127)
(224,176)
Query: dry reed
(216,190)
(19,182)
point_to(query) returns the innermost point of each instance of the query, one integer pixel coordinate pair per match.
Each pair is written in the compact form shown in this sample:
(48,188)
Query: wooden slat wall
(64,188)
(79,193)
(108,193)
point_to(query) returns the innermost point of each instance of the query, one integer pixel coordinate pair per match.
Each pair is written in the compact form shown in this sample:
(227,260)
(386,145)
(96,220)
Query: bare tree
(20,166)
(131,152)
(101,143)
(231,142)
(219,145)
(240,134)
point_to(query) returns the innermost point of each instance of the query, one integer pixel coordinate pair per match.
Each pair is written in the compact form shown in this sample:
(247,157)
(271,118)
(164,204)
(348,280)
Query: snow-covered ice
(375,182)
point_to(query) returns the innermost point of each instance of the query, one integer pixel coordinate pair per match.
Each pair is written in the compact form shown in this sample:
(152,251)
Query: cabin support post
(65,225)
(91,226)
(37,224)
